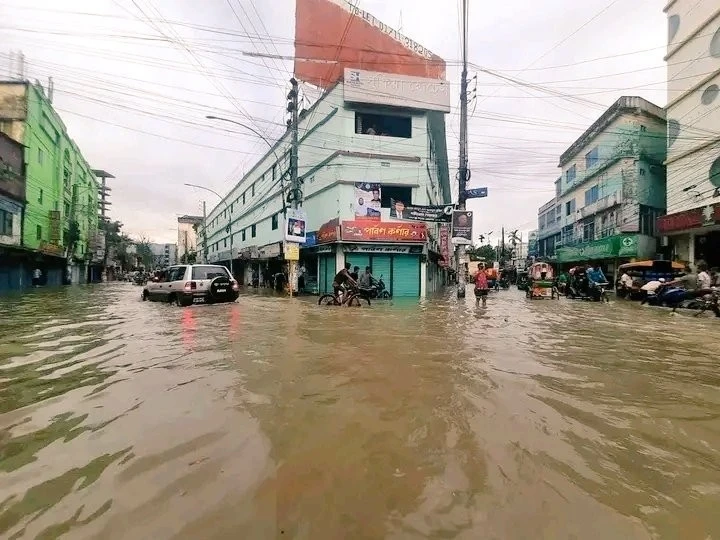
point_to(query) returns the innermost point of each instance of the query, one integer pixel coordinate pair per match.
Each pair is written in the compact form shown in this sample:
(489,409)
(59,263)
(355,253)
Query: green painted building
(61,197)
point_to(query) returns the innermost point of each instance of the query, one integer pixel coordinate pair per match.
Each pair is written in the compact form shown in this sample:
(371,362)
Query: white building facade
(164,254)
(611,191)
(393,139)
(691,228)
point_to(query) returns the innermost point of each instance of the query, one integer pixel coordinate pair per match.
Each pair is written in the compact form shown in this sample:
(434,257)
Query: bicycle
(351,297)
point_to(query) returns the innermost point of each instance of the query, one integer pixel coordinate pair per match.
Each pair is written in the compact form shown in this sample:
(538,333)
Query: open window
(383,124)
(399,193)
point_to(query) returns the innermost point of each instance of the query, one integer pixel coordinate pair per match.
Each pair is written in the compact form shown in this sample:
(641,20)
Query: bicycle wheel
(328,300)
(357,301)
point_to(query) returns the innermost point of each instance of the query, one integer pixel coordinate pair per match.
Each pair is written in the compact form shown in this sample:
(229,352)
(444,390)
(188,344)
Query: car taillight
(235,286)
(190,286)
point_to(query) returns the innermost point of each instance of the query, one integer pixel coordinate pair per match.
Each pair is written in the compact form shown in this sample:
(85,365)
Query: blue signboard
(476,193)
(310,240)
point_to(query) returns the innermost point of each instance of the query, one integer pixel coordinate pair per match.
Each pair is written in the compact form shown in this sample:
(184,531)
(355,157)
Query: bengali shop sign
(690,219)
(328,232)
(358,231)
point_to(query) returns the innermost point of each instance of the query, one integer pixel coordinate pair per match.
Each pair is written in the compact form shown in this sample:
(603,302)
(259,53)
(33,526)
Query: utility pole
(463,167)
(205,246)
(502,252)
(295,190)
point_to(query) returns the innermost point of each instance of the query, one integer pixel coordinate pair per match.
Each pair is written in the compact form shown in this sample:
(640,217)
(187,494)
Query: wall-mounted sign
(295,225)
(690,219)
(329,232)
(370,248)
(291,251)
(476,193)
(270,251)
(367,201)
(462,221)
(384,232)
(435,213)
(396,90)
(310,239)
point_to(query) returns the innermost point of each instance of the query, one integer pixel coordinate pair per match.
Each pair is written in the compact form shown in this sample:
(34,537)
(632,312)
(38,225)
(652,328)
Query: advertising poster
(367,201)
(462,227)
(295,226)
(445,245)
(437,214)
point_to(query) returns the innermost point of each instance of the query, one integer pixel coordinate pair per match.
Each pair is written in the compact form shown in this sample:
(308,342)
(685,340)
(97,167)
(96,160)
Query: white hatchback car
(189,284)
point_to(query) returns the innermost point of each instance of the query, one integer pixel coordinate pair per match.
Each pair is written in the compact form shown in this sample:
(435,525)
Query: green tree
(189,258)
(145,254)
(485,252)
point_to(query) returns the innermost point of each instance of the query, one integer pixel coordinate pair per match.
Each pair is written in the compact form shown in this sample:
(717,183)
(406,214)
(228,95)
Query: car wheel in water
(328,300)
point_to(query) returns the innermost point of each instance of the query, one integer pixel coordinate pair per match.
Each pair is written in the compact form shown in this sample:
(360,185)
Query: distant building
(187,235)
(691,228)
(164,254)
(12,204)
(533,243)
(611,192)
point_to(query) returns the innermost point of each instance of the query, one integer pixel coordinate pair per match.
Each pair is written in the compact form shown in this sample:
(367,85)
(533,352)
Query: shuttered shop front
(399,271)
(326,272)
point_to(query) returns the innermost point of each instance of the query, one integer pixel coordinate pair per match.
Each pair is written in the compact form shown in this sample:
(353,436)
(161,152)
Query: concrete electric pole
(463,173)
(205,246)
(295,190)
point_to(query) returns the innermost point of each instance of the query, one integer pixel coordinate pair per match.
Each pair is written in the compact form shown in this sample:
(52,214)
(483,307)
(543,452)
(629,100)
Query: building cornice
(692,36)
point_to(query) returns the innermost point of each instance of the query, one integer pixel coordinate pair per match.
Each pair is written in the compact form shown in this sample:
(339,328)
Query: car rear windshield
(209,272)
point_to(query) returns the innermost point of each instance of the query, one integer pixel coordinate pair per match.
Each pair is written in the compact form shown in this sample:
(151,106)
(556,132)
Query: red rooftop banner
(331,35)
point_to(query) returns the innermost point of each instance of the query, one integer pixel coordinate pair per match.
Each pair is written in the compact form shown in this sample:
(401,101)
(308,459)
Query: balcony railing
(601,204)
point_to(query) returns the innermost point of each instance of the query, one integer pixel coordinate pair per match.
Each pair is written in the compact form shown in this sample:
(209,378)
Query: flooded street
(275,418)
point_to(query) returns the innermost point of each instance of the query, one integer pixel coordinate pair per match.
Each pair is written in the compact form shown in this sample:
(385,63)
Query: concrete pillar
(691,248)
(339,258)
(423,279)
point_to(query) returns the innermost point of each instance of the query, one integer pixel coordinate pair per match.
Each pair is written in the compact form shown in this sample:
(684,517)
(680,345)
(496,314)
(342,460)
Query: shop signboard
(328,232)
(462,221)
(624,245)
(367,201)
(396,90)
(371,248)
(310,239)
(476,193)
(445,245)
(295,225)
(434,213)
(291,251)
(359,231)
(270,251)
(49,248)
(690,219)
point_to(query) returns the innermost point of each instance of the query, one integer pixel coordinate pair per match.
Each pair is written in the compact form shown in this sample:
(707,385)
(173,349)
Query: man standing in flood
(481,285)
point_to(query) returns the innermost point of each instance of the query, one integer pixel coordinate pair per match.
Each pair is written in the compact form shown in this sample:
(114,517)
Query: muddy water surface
(274,418)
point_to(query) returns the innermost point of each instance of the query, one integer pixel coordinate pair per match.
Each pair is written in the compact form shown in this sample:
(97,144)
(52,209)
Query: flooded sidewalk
(275,418)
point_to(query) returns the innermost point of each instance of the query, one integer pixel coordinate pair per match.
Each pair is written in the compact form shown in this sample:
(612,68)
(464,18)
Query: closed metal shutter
(358,259)
(326,273)
(406,276)
(381,265)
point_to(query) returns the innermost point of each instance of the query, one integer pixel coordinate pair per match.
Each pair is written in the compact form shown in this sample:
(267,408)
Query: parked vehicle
(541,282)
(582,286)
(710,302)
(377,290)
(523,280)
(185,285)
(643,272)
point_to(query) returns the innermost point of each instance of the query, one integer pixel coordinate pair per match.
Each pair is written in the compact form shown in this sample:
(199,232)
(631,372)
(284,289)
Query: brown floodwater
(275,418)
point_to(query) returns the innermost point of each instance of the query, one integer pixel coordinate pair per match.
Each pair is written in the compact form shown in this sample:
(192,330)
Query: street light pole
(227,230)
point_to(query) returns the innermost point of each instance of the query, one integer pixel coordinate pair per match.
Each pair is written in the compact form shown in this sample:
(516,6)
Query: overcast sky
(135,79)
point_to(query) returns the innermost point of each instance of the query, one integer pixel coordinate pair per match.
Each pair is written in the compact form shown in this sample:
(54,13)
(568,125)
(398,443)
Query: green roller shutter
(406,276)
(358,259)
(381,265)
(326,273)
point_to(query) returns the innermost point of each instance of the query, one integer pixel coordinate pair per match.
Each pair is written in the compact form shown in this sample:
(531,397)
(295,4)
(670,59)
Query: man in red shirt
(481,285)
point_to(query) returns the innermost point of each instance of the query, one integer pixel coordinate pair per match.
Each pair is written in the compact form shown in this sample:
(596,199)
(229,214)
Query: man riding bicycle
(341,279)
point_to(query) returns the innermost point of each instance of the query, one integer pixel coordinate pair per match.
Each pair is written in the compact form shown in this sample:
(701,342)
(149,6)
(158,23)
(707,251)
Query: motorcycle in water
(377,290)
(677,297)
(710,302)
(583,288)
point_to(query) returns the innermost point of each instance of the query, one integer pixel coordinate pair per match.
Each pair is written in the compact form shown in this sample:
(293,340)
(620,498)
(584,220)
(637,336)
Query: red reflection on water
(234,319)
(188,324)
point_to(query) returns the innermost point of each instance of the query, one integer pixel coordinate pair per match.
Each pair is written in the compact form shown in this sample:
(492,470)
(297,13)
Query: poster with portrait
(367,201)
(295,226)
(462,221)
(435,213)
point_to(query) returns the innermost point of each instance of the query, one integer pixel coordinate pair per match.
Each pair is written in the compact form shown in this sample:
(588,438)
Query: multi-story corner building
(369,140)
(60,192)
(611,191)
(691,227)
(164,254)
(187,236)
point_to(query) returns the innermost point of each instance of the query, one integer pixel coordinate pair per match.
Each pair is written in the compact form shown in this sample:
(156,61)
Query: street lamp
(228,229)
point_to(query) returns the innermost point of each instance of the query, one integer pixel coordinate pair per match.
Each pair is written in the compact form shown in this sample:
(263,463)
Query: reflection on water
(274,418)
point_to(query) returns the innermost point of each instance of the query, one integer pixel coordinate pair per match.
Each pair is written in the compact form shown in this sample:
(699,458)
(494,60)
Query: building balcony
(601,204)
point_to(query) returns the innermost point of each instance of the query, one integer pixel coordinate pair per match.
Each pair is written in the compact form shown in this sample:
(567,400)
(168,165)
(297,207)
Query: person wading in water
(481,285)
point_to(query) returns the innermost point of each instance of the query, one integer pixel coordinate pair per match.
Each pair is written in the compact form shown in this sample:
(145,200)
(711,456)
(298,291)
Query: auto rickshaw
(541,282)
